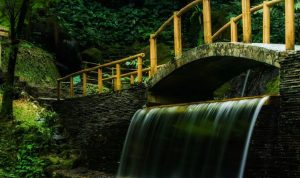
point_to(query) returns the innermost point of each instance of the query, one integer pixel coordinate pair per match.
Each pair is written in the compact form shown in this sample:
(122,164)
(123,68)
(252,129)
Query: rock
(99,123)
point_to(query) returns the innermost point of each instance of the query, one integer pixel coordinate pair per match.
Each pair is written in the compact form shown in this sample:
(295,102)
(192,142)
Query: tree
(15,11)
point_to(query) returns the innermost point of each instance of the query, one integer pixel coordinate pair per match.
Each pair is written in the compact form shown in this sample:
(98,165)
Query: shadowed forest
(44,40)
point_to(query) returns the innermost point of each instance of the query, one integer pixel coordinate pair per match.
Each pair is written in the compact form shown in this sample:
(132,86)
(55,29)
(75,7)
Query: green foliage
(95,25)
(273,86)
(34,65)
(24,143)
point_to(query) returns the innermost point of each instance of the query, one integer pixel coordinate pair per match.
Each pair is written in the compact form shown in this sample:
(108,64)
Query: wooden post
(207,21)
(234,30)
(153,55)
(58,89)
(100,81)
(140,70)
(266,23)
(84,84)
(131,80)
(118,79)
(247,30)
(289,25)
(71,87)
(177,35)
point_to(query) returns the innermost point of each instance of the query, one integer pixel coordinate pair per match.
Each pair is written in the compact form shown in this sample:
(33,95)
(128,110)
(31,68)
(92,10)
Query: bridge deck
(275,47)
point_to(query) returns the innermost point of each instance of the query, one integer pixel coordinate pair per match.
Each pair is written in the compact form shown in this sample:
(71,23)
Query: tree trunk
(15,33)
(8,95)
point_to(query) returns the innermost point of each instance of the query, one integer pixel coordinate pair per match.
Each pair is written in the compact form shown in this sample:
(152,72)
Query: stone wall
(289,124)
(261,156)
(98,125)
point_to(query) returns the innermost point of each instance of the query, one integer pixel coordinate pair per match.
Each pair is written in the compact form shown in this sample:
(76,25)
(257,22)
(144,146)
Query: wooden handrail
(4,31)
(101,66)
(130,73)
(239,17)
(208,38)
(188,7)
(99,71)
(289,25)
(163,26)
(170,19)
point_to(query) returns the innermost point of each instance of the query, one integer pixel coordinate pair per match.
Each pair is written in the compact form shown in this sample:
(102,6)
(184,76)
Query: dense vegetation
(101,30)
(28,144)
(35,66)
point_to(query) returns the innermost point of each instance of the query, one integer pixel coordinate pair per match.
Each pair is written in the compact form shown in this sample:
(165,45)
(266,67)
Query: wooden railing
(100,79)
(246,19)
(4,31)
(209,37)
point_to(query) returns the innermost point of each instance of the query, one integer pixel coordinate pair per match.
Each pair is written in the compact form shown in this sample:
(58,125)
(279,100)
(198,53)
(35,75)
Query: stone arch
(206,67)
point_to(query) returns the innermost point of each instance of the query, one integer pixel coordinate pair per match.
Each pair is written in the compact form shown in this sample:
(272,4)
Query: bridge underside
(197,73)
(198,80)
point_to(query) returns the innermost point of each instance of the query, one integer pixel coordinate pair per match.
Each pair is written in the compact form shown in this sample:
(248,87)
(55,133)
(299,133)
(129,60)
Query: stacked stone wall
(288,150)
(98,125)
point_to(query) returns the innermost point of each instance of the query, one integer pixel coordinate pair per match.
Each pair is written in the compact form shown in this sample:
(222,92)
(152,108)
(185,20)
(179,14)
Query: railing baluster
(289,25)
(177,35)
(71,87)
(233,30)
(131,80)
(207,21)
(100,80)
(118,77)
(84,83)
(246,21)
(266,23)
(140,70)
(153,55)
(58,89)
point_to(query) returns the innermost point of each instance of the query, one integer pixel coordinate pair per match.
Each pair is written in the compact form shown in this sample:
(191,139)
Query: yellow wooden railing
(99,71)
(209,37)
(3,31)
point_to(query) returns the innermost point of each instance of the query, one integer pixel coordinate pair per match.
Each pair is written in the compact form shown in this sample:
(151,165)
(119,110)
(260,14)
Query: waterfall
(245,82)
(208,140)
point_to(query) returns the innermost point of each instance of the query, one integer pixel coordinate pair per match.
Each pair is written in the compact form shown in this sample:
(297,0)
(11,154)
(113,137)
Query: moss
(62,162)
(272,86)
(221,92)
(34,65)
(26,148)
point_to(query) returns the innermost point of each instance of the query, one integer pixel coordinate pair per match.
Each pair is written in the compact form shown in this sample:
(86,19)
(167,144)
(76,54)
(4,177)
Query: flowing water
(245,82)
(208,140)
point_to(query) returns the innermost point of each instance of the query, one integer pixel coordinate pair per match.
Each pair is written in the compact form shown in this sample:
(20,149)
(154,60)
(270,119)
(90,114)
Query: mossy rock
(34,65)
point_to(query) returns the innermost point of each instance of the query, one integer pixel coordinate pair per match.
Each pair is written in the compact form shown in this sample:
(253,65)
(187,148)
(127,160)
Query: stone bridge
(205,68)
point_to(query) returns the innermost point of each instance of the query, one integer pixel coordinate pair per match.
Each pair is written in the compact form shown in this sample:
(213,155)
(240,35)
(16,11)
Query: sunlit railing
(116,77)
(246,19)
(4,31)
(209,37)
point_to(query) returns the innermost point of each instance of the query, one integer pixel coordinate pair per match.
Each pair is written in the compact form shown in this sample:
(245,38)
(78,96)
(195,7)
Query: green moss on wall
(272,86)
(221,92)
(34,65)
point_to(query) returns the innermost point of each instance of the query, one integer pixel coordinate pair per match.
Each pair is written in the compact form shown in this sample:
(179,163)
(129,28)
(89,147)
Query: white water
(247,144)
(245,83)
(209,140)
